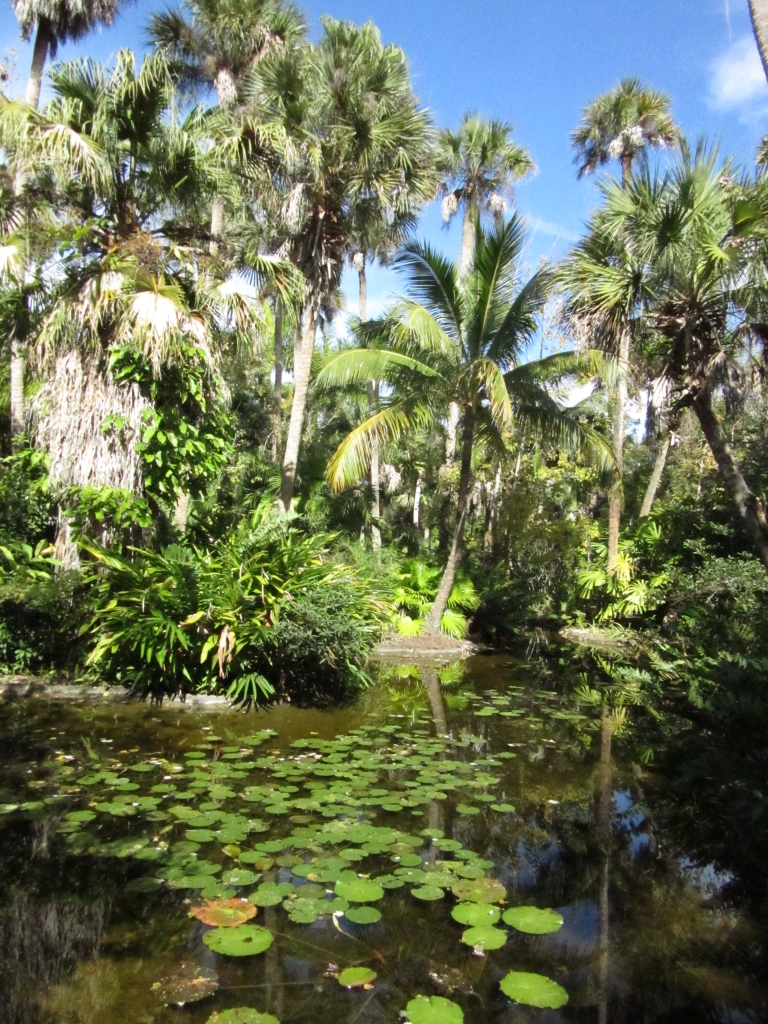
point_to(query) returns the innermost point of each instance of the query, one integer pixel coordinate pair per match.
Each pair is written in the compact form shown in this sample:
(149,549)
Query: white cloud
(738,76)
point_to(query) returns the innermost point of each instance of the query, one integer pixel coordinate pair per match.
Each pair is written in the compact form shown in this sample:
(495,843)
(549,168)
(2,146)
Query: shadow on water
(653,931)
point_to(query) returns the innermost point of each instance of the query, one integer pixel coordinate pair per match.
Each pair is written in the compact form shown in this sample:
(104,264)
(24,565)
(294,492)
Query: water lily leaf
(390,882)
(433,1010)
(247,940)
(356,977)
(467,809)
(361,890)
(81,816)
(224,913)
(200,835)
(479,890)
(242,1015)
(503,808)
(144,884)
(363,915)
(484,936)
(265,898)
(240,876)
(475,915)
(534,990)
(533,921)
(428,893)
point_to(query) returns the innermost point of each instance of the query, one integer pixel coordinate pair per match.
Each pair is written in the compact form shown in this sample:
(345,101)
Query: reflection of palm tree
(432,686)
(605,802)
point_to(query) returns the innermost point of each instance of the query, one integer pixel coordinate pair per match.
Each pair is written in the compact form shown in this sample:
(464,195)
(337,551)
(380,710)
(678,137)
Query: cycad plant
(460,339)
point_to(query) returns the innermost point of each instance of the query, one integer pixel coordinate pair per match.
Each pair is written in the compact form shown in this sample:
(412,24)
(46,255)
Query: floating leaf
(81,816)
(356,977)
(484,936)
(479,890)
(361,890)
(240,876)
(503,808)
(363,915)
(180,989)
(247,940)
(433,1010)
(428,893)
(475,915)
(224,913)
(533,921)
(242,1015)
(534,990)
(466,809)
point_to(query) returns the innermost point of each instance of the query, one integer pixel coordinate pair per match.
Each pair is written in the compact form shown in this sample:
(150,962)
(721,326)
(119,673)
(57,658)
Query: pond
(460,843)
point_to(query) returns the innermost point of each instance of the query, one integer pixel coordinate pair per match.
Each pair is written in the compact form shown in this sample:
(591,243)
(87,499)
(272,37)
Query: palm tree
(218,46)
(360,140)
(459,338)
(52,22)
(621,125)
(758,11)
(702,235)
(122,166)
(479,164)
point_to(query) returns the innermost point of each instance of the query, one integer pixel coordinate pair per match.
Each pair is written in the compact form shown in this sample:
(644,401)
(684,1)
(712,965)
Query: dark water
(653,930)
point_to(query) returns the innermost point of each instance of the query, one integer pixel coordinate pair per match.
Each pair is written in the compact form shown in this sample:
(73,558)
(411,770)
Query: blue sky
(536,63)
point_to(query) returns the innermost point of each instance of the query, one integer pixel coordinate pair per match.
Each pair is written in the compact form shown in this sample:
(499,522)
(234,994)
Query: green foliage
(259,611)
(416,589)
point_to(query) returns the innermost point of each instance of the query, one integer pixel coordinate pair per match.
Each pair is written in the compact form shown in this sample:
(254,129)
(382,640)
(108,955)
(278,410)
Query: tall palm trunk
(749,505)
(440,603)
(432,685)
(43,40)
(758,10)
(277,400)
(372,408)
(656,475)
(417,498)
(619,419)
(302,367)
(217,223)
(467,239)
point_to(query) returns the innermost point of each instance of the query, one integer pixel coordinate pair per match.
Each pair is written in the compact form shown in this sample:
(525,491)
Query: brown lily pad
(184,987)
(224,913)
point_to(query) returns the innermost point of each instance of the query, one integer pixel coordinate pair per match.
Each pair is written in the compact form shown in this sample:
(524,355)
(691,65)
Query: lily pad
(433,1010)
(533,990)
(428,893)
(240,876)
(484,936)
(361,890)
(247,940)
(356,977)
(475,915)
(503,808)
(479,890)
(533,921)
(224,913)
(182,988)
(242,1015)
(363,915)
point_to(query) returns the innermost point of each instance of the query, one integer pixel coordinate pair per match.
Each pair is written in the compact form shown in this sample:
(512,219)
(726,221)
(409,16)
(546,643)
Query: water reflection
(652,931)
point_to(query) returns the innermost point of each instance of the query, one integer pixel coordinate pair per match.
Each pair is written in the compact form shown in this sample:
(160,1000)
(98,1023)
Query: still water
(485,782)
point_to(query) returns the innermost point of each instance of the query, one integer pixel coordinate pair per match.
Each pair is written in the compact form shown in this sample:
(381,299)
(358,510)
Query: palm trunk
(619,417)
(39,55)
(656,475)
(372,408)
(758,10)
(277,402)
(217,223)
(417,499)
(302,367)
(467,240)
(749,505)
(440,603)
(604,832)
(18,365)
(451,429)
(181,512)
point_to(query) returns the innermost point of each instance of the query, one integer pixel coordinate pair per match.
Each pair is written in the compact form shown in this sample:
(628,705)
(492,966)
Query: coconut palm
(702,235)
(621,125)
(479,164)
(758,10)
(459,338)
(361,141)
(217,46)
